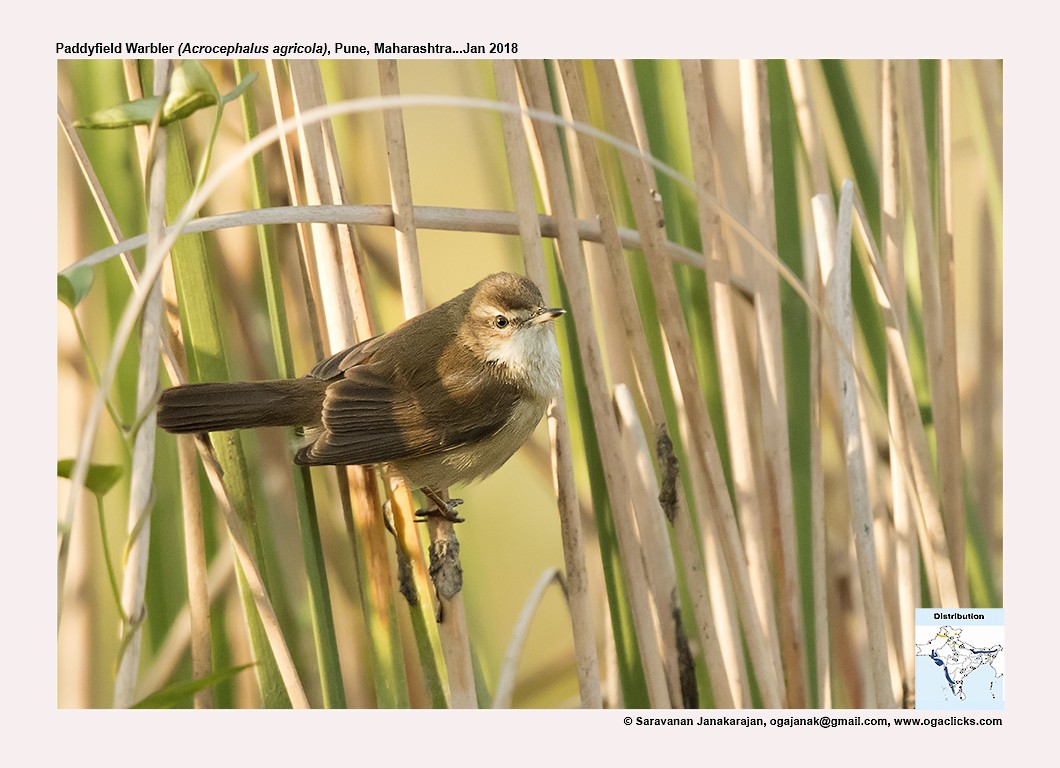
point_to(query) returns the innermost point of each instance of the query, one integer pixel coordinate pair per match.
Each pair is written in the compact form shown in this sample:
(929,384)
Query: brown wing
(333,366)
(372,415)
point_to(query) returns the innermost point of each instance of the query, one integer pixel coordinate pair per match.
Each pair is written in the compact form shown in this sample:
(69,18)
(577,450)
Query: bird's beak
(544,315)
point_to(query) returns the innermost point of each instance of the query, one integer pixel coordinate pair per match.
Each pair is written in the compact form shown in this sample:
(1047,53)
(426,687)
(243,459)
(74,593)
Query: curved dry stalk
(502,697)
(441,218)
(363,105)
(357,106)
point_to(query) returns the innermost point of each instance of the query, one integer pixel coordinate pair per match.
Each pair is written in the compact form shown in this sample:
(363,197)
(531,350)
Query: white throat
(531,352)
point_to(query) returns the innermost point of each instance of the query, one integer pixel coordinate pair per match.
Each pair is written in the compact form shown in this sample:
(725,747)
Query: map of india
(958,659)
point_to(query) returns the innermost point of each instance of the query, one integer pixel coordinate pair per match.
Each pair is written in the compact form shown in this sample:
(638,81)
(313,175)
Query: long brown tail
(241,405)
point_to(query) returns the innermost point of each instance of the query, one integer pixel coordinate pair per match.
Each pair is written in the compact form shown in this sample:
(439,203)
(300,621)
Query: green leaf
(74,285)
(139,112)
(236,92)
(101,477)
(177,694)
(191,89)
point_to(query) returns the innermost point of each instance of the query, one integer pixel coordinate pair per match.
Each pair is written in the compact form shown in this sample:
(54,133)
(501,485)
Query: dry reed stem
(822,387)
(658,657)
(944,405)
(195,545)
(907,556)
(724,320)
(126,323)
(141,481)
(452,629)
(648,530)
(173,353)
(818,537)
(857,639)
(740,369)
(622,285)
(810,130)
(704,449)
(74,509)
(169,653)
(502,697)
(611,325)
(732,314)
(776,487)
(401,195)
(427,217)
(986,405)
(452,624)
(616,260)
(345,311)
(306,262)
(950,453)
(627,79)
(341,270)
(578,598)
(572,261)
(653,542)
(886,557)
(724,324)
(930,529)
(986,91)
(194,533)
(255,584)
(809,127)
(834,252)
(718,608)
(410,548)
(191,496)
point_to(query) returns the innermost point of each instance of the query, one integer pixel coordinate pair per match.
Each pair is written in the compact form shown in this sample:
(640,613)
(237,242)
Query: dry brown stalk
(776,488)
(578,598)
(833,245)
(944,399)
(907,555)
(725,687)
(572,261)
(452,629)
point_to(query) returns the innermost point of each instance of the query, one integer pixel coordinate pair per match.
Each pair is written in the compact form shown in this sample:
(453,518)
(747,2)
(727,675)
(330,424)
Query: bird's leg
(443,509)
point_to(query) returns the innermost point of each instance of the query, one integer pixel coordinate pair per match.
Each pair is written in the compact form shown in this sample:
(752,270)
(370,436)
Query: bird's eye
(500,321)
